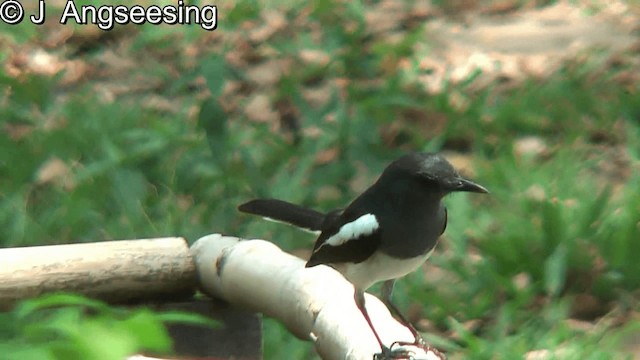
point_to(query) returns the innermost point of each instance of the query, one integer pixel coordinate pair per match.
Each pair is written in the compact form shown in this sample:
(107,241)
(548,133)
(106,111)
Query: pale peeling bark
(314,303)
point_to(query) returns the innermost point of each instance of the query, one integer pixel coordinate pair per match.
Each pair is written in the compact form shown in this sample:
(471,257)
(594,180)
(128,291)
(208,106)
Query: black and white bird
(385,233)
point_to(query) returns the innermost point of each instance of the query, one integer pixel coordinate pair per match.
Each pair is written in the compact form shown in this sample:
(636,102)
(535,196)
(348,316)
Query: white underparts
(364,225)
(379,267)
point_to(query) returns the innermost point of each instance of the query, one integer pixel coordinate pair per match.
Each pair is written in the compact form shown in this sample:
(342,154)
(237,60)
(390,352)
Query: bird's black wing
(279,210)
(354,249)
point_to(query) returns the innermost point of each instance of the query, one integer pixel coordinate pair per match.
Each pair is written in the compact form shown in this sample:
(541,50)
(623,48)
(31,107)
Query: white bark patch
(362,226)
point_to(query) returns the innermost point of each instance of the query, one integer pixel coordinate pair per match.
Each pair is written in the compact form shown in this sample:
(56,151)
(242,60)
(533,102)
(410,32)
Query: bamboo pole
(113,271)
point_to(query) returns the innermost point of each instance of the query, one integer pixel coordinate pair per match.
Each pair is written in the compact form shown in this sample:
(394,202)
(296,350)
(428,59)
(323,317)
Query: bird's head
(435,172)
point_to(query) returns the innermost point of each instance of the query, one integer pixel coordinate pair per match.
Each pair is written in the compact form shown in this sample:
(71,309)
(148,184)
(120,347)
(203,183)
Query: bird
(384,234)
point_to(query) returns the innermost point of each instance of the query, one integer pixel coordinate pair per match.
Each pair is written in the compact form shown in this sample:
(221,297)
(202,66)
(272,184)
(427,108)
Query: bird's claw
(419,342)
(397,354)
(402,352)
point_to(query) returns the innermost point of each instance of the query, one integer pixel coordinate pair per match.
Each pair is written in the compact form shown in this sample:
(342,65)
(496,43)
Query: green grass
(564,221)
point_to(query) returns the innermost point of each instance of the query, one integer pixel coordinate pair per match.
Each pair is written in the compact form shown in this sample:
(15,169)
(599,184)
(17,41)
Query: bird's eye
(427,179)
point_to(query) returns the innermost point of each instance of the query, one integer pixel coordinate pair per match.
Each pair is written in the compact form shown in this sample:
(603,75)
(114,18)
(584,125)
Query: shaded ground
(527,43)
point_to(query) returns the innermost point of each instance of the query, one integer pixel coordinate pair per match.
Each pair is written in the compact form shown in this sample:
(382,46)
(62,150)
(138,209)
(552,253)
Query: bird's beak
(469,186)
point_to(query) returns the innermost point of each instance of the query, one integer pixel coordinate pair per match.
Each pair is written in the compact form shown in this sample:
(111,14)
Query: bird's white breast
(379,267)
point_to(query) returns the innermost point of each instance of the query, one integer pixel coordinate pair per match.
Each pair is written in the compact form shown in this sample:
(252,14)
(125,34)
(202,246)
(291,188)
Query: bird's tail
(278,210)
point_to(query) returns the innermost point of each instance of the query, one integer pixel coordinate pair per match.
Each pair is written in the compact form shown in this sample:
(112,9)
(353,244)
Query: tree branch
(314,303)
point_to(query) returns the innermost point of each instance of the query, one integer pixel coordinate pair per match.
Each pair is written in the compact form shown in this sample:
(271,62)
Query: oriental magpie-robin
(385,233)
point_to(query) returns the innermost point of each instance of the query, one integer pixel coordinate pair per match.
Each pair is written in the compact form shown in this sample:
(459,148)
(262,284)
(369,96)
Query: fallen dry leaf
(545,354)
(521,281)
(579,325)
(461,162)
(18,131)
(314,57)
(326,156)
(43,63)
(259,109)
(328,193)
(267,73)
(75,71)
(57,172)
(530,146)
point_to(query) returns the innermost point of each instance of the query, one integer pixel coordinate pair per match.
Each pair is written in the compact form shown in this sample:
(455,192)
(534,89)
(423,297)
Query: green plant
(65,326)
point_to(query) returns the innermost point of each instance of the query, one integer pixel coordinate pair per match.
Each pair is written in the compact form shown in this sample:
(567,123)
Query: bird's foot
(419,340)
(397,354)
(405,346)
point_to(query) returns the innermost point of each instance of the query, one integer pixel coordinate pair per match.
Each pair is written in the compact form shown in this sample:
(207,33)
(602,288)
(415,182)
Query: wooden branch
(314,303)
(114,271)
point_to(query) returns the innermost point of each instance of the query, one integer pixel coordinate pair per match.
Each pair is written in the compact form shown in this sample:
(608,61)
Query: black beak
(469,186)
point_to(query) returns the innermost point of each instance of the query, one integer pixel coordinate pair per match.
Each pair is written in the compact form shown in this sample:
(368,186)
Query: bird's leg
(387,289)
(386,353)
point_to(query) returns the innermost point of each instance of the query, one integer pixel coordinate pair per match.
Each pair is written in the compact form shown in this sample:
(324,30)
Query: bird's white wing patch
(362,226)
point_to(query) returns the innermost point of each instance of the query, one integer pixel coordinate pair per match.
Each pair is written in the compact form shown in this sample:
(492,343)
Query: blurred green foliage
(565,221)
(66,326)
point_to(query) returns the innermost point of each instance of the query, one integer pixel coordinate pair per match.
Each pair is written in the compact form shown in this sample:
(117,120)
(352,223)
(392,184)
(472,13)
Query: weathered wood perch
(113,271)
(314,303)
